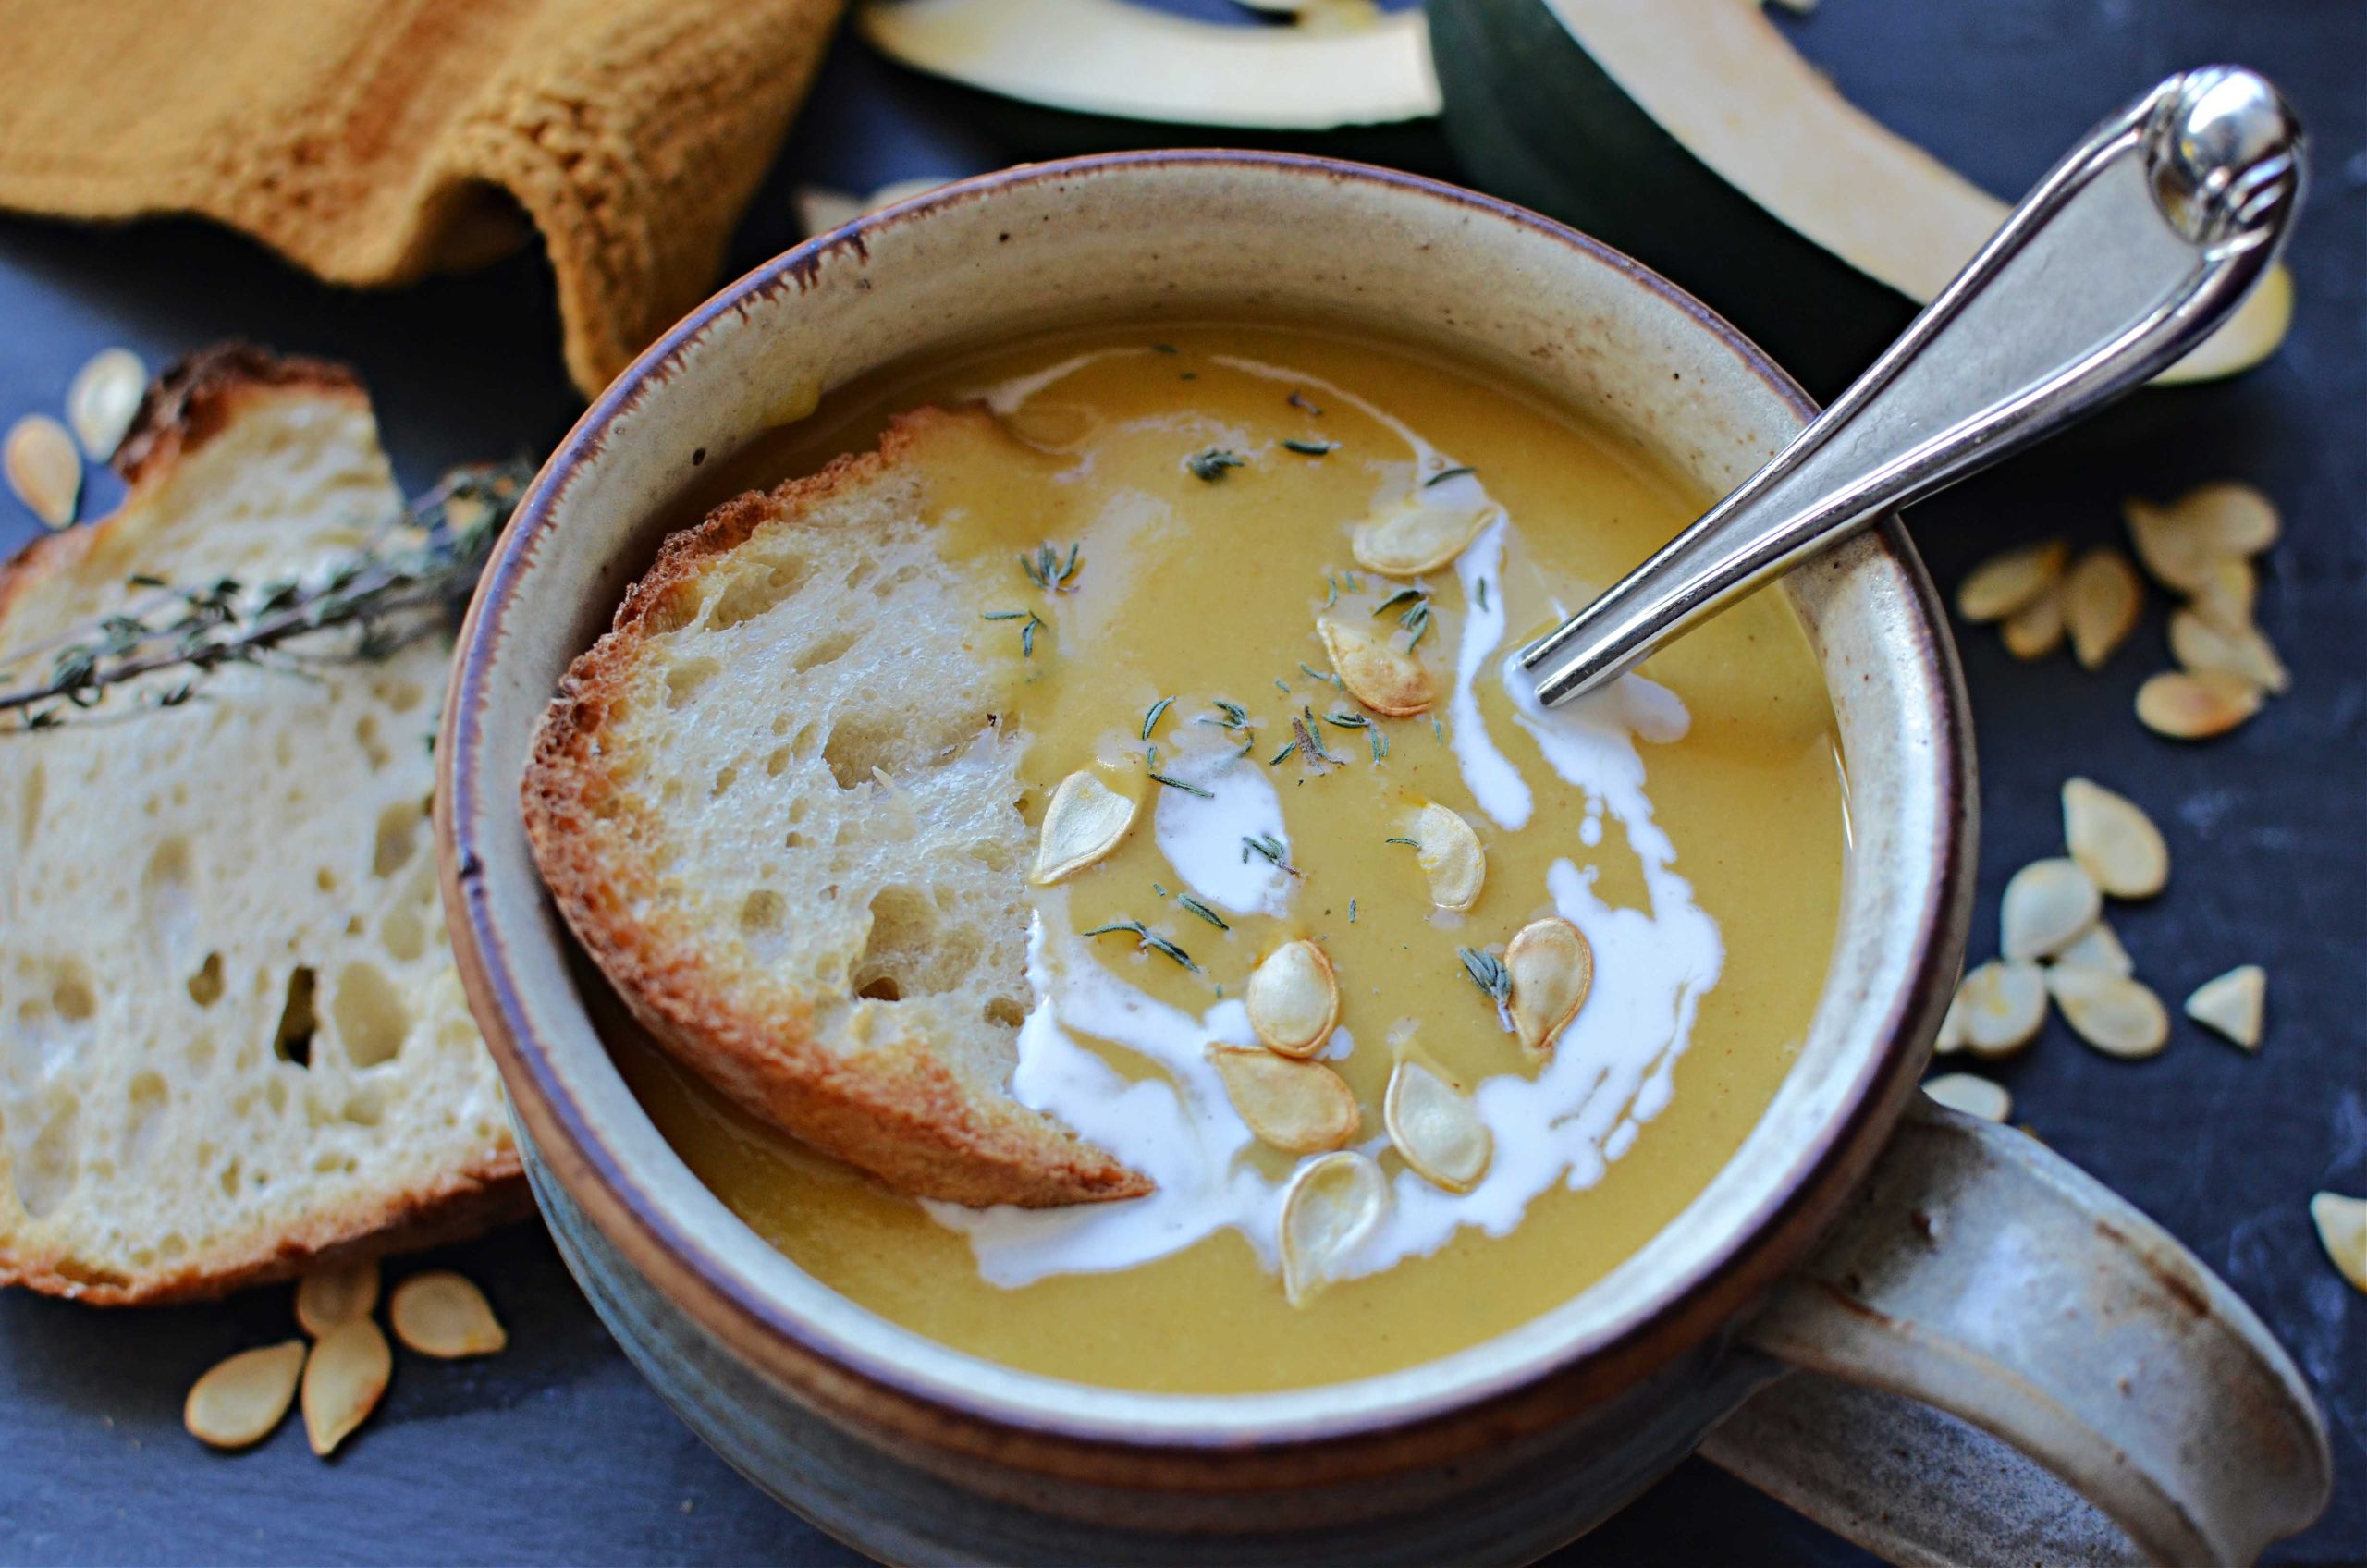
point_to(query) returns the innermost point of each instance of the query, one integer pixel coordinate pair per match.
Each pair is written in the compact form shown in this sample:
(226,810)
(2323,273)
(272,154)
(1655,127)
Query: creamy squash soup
(1419,1007)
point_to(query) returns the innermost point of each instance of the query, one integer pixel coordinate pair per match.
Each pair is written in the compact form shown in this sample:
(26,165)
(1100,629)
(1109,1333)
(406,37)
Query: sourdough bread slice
(232,1041)
(775,805)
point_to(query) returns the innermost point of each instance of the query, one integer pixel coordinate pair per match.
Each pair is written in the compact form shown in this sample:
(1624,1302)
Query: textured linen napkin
(371,141)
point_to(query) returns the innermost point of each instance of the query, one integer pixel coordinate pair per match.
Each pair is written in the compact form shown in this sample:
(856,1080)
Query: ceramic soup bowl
(1928,1331)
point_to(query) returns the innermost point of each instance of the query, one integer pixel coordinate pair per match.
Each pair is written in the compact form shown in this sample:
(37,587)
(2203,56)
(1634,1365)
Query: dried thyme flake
(1270,848)
(1446,474)
(1309,449)
(1146,939)
(1479,592)
(1150,719)
(1203,912)
(1211,466)
(1298,400)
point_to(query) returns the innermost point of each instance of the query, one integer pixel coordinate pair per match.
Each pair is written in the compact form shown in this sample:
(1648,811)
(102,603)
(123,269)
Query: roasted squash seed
(2244,652)
(2113,840)
(2118,1015)
(1448,853)
(1085,820)
(2099,948)
(2036,629)
(240,1400)
(2342,1230)
(1416,535)
(2003,1005)
(1390,684)
(2005,584)
(1294,998)
(2233,1004)
(344,1377)
(2178,543)
(1552,967)
(2101,600)
(2047,905)
(1437,1130)
(327,1297)
(1973,1095)
(1330,1206)
(2195,705)
(444,1315)
(102,399)
(1297,1106)
(43,469)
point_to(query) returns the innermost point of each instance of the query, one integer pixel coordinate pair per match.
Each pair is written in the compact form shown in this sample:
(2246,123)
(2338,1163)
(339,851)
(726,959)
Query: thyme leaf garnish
(1446,474)
(1380,743)
(1150,719)
(1179,784)
(1351,912)
(1298,400)
(1310,744)
(1331,592)
(1309,449)
(1403,595)
(1348,720)
(1026,631)
(1162,349)
(1203,910)
(1236,715)
(389,593)
(1479,592)
(1417,622)
(1411,843)
(1211,466)
(1319,674)
(1147,939)
(1270,848)
(1278,757)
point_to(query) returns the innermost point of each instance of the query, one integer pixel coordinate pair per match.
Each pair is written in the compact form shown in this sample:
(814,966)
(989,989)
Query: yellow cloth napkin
(373,140)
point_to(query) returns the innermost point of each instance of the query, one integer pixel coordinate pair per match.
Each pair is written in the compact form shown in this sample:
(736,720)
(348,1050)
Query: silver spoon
(2141,241)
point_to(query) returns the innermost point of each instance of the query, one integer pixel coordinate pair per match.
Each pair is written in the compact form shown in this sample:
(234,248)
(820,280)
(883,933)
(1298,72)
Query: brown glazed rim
(942,1425)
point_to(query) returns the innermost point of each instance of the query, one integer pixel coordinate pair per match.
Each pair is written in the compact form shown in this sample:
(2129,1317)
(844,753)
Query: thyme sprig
(1488,971)
(416,571)
(1147,939)
(1049,571)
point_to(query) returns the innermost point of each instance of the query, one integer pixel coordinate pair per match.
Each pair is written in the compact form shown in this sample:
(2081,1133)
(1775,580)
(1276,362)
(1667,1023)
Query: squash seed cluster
(2201,547)
(340,1376)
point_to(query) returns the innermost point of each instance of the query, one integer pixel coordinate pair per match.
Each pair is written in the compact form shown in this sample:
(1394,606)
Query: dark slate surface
(557,1452)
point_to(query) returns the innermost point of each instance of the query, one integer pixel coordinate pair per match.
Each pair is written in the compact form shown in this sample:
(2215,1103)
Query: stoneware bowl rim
(935,1386)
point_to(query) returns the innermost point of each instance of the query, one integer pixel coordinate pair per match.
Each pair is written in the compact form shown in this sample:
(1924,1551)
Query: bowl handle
(1996,1359)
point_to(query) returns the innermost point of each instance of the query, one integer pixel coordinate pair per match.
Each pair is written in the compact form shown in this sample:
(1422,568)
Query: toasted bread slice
(774,804)
(234,1041)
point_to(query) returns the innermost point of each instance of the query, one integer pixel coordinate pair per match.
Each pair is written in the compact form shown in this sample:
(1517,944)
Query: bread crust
(465,1202)
(892,1109)
(191,401)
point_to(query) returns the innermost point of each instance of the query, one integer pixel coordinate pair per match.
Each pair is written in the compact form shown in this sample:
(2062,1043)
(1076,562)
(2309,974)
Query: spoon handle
(2140,242)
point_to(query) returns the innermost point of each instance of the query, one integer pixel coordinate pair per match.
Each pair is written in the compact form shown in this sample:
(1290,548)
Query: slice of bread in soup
(777,805)
(232,1041)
